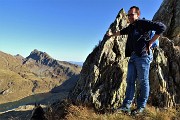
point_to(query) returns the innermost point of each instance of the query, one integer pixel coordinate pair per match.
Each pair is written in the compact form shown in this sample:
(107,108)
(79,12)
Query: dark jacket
(138,35)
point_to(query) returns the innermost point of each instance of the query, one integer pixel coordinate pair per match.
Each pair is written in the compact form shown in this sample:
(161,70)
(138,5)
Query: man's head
(133,14)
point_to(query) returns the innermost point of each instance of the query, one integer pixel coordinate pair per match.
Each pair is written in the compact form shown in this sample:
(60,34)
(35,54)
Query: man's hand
(151,41)
(148,48)
(109,34)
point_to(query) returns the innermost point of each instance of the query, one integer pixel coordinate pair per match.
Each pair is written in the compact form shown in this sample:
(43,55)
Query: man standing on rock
(138,49)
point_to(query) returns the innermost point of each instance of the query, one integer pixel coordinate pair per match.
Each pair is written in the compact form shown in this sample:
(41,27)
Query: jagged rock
(41,57)
(101,82)
(38,113)
(165,75)
(165,72)
(102,79)
(169,14)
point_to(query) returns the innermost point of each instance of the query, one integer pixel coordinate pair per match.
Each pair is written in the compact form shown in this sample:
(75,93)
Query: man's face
(132,15)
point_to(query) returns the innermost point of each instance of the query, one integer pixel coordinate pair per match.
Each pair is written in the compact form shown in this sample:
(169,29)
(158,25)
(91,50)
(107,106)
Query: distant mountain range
(77,63)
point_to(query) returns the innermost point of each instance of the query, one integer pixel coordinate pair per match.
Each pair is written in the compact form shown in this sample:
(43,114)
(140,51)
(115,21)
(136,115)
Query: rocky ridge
(45,66)
(30,79)
(101,82)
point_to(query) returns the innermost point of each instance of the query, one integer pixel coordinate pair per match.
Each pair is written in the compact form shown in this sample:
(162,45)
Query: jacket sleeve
(124,31)
(158,27)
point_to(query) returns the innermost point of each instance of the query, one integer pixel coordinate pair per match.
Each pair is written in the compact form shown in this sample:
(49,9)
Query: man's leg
(143,66)
(130,89)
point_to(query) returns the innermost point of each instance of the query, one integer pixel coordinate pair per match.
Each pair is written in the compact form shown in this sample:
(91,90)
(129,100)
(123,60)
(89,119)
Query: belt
(143,52)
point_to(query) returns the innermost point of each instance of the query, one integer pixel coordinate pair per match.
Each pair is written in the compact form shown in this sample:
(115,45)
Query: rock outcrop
(102,79)
(169,14)
(165,69)
(165,75)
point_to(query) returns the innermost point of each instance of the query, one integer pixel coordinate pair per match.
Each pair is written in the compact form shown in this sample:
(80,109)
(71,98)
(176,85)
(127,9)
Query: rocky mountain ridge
(41,58)
(38,73)
(44,65)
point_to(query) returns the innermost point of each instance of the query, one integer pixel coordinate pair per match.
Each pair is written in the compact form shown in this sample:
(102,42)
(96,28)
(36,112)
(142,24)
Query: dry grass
(73,112)
(151,113)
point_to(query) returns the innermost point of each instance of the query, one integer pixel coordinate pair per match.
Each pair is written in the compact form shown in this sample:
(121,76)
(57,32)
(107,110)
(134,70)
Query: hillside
(26,80)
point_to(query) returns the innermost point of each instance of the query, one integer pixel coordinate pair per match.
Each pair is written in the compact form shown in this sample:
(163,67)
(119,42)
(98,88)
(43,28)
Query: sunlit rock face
(169,14)
(102,79)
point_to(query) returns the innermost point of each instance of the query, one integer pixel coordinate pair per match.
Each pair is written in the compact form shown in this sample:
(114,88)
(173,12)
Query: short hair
(137,9)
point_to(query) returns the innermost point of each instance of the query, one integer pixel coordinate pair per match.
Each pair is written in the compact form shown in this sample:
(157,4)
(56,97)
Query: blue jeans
(138,69)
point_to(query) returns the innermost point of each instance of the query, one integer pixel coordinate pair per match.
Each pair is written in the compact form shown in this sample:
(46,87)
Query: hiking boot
(137,111)
(124,110)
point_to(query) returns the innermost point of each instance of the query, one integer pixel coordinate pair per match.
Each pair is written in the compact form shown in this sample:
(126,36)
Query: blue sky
(65,29)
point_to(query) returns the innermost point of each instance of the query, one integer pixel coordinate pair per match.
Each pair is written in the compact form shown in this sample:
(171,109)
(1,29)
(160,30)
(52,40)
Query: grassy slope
(17,81)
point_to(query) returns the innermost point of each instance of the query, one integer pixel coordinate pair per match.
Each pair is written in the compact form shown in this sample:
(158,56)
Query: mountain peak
(41,54)
(40,57)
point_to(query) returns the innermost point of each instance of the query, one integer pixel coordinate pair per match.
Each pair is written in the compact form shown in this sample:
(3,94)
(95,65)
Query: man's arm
(156,36)
(158,27)
(124,31)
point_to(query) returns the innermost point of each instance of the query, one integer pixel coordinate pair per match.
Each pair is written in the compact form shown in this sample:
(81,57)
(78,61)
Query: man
(138,49)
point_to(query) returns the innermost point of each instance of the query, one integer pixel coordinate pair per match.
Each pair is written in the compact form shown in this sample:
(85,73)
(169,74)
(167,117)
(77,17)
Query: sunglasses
(132,14)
